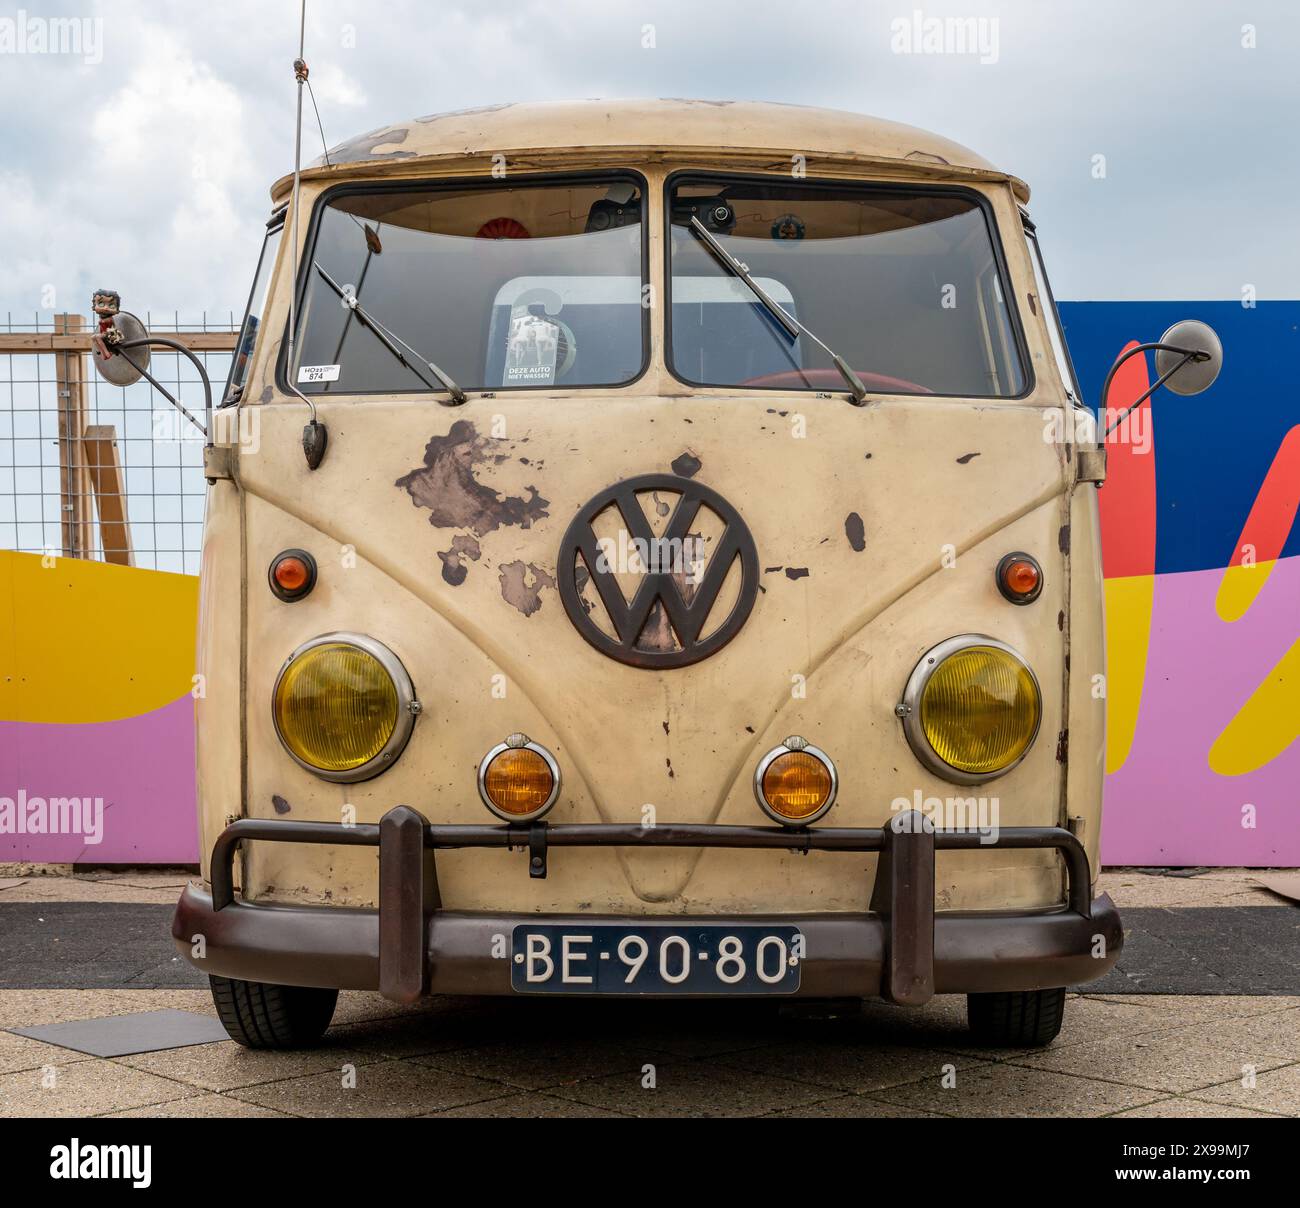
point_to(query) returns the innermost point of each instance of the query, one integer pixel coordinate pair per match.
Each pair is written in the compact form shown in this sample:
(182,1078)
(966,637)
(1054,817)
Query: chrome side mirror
(1197,374)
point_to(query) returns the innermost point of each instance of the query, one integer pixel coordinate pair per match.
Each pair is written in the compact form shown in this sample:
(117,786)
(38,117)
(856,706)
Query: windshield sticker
(532,347)
(318,373)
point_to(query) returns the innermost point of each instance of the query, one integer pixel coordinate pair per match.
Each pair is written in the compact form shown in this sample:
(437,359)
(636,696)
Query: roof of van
(656,129)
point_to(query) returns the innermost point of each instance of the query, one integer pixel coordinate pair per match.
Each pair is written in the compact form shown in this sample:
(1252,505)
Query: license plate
(614,958)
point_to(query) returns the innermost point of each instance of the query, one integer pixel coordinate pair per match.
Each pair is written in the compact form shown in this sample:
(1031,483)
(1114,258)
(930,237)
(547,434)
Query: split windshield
(904,284)
(510,286)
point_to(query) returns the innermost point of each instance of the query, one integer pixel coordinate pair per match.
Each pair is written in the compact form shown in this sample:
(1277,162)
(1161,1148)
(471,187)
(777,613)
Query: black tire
(262,1016)
(1019,1019)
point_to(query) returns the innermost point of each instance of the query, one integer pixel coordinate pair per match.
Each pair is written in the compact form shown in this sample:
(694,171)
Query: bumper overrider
(899,948)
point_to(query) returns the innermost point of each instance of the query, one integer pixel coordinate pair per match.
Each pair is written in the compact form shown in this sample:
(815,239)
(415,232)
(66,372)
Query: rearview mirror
(1191,335)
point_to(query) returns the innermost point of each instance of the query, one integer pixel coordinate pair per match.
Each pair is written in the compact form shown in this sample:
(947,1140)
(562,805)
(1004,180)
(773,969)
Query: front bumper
(898,949)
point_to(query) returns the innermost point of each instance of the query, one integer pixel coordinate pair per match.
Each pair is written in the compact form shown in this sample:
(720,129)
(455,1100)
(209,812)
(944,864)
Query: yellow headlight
(980,709)
(337,708)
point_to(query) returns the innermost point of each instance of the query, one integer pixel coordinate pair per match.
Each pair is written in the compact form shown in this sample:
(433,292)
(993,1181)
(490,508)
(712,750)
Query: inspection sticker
(318,373)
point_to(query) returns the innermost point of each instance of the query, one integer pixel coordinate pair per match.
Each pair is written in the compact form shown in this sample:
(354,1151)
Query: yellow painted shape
(88,642)
(1239,587)
(1265,725)
(1128,638)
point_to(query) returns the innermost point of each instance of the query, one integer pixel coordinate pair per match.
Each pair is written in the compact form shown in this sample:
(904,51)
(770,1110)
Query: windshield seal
(451,184)
(879,188)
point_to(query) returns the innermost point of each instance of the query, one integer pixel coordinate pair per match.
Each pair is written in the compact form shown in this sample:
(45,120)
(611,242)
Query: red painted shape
(1128,498)
(1275,506)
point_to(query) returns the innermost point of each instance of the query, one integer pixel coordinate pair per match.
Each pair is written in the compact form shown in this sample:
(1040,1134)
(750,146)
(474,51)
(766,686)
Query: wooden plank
(63,341)
(105,469)
(69,445)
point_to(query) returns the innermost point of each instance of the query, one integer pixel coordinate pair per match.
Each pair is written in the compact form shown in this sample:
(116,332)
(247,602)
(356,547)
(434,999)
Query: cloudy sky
(144,162)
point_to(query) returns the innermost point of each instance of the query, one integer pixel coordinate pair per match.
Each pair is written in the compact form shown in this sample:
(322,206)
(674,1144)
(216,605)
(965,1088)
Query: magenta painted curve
(142,767)
(1166,806)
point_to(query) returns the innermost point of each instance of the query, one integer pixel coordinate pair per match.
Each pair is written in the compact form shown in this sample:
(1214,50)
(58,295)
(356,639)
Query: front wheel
(263,1016)
(1019,1019)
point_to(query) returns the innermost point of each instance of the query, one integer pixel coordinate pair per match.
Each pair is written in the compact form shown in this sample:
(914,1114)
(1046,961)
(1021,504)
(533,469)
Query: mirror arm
(203,377)
(1189,354)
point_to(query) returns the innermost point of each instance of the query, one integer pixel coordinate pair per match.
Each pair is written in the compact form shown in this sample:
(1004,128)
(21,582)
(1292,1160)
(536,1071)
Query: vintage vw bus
(691,586)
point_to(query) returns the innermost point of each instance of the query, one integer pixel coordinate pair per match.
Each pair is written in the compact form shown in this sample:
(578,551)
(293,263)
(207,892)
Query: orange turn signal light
(519,780)
(1020,578)
(292,574)
(795,783)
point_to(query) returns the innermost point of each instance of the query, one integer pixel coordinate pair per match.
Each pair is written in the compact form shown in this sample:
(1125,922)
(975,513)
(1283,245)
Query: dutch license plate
(614,958)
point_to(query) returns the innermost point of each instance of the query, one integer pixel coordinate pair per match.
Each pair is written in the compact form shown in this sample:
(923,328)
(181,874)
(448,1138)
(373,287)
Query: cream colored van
(662,562)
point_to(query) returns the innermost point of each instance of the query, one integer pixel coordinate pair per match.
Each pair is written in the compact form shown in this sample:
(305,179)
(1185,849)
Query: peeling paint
(855,531)
(516,589)
(366,146)
(454,569)
(1063,539)
(279,804)
(687,465)
(796,572)
(965,458)
(446,485)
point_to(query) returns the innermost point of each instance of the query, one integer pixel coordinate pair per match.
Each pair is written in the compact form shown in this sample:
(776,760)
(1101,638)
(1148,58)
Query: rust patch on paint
(366,146)
(521,586)
(454,569)
(855,531)
(447,486)
(687,465)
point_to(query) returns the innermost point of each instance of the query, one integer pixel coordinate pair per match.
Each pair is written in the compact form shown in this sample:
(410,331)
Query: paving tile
(1176,1009)
(529,1107)
(860,1067)
(1222,887)
(1156,1061)
(1005,1090)
(1274,1091)
(698,1088)
(24,1053)
(227,1066)
(209,1107)
(84,1088)
(31,1008)
(383,1089)
(854,1107)
(1276,1034)
(536,1063)
(1178,1108)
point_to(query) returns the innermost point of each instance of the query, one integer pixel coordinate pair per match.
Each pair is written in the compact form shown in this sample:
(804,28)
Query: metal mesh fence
(92,470)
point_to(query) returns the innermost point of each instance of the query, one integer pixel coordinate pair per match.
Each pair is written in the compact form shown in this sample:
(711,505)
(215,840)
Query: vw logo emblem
(678,573)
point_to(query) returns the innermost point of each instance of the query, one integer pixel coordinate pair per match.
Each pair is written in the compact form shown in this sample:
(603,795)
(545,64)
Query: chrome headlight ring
(909,709)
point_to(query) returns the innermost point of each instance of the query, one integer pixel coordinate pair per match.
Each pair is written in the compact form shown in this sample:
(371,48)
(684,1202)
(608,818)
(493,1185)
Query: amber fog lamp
(519,779)
(1020,578)
(971,709)
(292,574)
(344,706)
(795,783)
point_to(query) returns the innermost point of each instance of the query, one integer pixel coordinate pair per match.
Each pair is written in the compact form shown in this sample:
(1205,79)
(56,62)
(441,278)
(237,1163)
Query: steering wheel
(830,379)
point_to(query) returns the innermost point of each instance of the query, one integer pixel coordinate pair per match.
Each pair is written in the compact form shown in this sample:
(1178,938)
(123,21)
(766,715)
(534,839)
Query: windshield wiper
(391,340)
(791,325)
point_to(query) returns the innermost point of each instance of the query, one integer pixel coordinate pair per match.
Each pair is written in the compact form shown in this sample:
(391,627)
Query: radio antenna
(314,435)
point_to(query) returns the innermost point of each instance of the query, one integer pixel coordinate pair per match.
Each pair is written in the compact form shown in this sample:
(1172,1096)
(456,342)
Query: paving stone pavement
(1224,1053)
(1140,1055)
